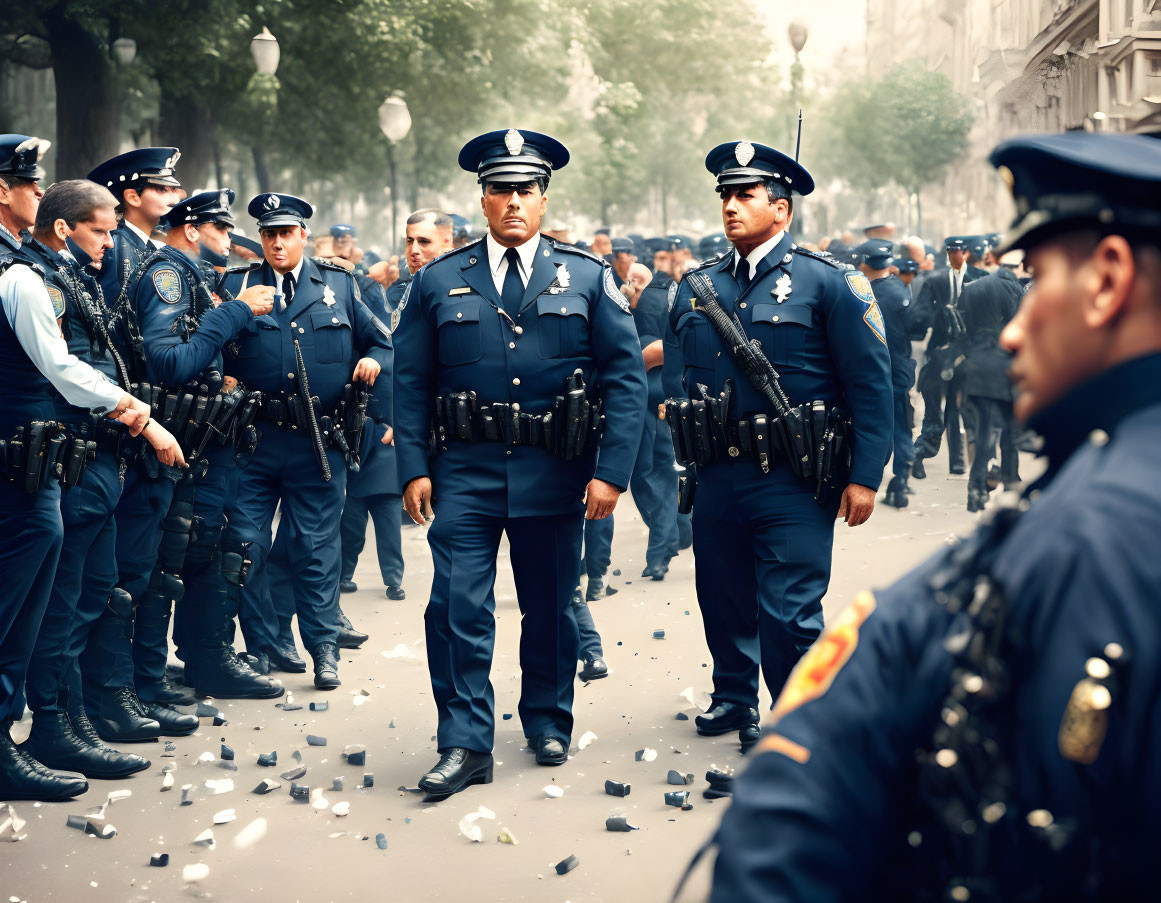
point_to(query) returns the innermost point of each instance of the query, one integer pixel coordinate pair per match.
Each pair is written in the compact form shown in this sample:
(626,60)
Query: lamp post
(264,49)
(797,32)
(124,51)
(394,123)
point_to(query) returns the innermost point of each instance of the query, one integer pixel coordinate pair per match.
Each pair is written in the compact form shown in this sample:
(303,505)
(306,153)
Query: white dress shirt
(29,310)
(957,281)
(756,256)
(499,263)
(149,242)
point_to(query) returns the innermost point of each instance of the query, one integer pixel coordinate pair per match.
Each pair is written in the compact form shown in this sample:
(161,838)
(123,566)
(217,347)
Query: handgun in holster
(686,489)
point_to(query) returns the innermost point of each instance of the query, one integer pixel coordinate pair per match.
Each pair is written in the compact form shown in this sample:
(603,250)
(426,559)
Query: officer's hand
(417,499)
(366,371)
(164,444)
(229,383)
(661,412)
(259,298)
(388,437)
(132,412)
(601,498)
(857,504)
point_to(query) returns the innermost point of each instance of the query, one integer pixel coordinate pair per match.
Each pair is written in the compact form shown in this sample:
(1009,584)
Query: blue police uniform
(985,728)
(324,320)
(518,347)
(762,543)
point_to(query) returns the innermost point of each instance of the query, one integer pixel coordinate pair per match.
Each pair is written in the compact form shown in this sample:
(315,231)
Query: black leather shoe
(977,500)
(24,778)
(228,676)
(348,586)
(55,744)
(349,638)
(655,571)
(326,666)
(120,720)
(595,589)
(896,496)
(456,769)
(285,658)
(550,749)
(595,667)
(725,717)
(258,662)
(166,692)
(173,723)
(957,470)
(918,470)
(748,736)
(395,593)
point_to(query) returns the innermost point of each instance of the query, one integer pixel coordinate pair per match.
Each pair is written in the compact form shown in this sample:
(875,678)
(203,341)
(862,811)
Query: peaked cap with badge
(745,163)
(203,207)
(274,210)
(151,165)
(20,156)
(513,156)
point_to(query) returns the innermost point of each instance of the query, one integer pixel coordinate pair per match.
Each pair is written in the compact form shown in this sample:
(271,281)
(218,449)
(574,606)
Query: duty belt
(42,451)
(812,439)
(572,426)
(197,417)
(341,427)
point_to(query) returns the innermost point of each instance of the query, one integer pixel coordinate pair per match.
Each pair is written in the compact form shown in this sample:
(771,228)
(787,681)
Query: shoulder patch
(821,258)
(168,284)
(859,286)
(817,669)
(57,297)
(613,292)
(573,249)
(672,295)
(874,319)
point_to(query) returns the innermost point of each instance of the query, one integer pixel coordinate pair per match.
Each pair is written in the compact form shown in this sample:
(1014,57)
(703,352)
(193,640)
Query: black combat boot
(349,637)
(897,492)
(54,743)
(24,778)
(120,718)
(223,675)
(326,666)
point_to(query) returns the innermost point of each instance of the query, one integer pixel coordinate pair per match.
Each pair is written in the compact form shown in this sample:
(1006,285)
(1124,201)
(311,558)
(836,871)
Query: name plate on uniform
(462,290)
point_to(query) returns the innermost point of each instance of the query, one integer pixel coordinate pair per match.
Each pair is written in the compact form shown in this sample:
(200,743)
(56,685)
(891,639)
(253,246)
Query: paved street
(311,854)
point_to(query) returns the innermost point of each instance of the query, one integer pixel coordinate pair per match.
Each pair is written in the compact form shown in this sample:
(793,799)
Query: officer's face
(425,242)
(22,198)
(153,201)
(1054,348)
(956,257)
(344,246)
(215,237)
(513,211)
(93,236)
(622,262)
(748,216)
(602,245)
(282,247)
(661,262)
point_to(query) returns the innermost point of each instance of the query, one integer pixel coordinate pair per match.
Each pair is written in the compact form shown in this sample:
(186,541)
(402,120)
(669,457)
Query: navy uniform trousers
(85,575)
(30,541)
(654,488)
(765,537)
(383,510)
(460,621)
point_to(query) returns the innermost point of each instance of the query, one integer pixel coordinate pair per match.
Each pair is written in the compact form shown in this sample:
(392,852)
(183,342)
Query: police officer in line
(374,491)
(30,519)
(894,302)
(986,728)
(525,351)
(988,304)
(939,382)
(767,497)
(144,183)
(78,215)
(319,342)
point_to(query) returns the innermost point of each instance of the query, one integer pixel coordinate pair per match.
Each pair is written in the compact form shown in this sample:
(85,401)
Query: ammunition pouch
(42,451)
(166,587)
(686,489)
(119,603)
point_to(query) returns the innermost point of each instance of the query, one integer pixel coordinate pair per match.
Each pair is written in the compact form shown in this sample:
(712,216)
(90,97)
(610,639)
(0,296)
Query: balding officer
(517,344)
(319,342)
(774,465)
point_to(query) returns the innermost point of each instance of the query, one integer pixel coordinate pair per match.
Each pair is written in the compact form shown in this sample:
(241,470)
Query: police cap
(274,210)
(876,253)
(623,246)
(153,165)
(20,156)
(710,245)
(338,230)
(907,265)
(744,163)
(1077,180)
(203,207)
(957,243)
(513,156)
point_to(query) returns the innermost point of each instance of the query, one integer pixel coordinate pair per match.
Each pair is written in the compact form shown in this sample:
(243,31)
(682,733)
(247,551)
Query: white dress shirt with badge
(755,257)
(498,263)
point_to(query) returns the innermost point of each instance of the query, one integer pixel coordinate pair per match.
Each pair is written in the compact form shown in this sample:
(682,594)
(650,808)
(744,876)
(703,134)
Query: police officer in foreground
(894,302)
(782,443)
(987,728)
(311,358)
(525,352)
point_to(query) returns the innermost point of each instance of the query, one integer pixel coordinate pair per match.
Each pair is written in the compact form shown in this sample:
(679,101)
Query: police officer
(507,339)
(79,214)
(767,499)
(894,303)
(939,382)
(986,728)
(144,183)
(32,349)
(318,343)
(988,304)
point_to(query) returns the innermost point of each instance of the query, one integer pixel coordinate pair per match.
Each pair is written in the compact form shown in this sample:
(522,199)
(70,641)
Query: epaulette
(821,258)
(327,265)
(717,258)
(573,249)
(243,267)
(455,251)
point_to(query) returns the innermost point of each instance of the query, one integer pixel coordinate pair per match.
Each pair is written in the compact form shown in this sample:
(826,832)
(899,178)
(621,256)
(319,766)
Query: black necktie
(513,291)
(287,290)
(742,274)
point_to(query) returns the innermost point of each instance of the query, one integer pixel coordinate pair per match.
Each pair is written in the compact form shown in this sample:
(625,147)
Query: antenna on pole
(798,143)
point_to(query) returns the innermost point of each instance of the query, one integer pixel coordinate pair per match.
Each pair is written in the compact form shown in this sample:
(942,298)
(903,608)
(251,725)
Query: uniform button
(471,260)
(300,329)
(516,407)
(742,305)
(564,310)
(290,376)
(334,319)
(293,325)
(511,344)
(459,316)
(508,452)
(516,381)
(519,330)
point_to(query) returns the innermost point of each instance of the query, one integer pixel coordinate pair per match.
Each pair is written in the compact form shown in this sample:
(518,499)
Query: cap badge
(172,161)
(744,152)
(514,141)
(224,198)
(271,202)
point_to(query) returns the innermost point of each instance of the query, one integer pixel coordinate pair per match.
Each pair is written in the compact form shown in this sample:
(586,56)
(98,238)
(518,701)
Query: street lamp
(264,49)
(797,32)
(394,123)
(124,51)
